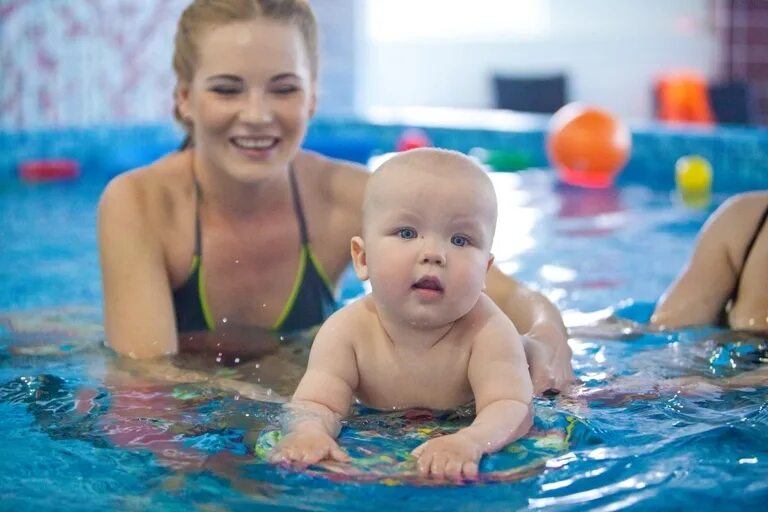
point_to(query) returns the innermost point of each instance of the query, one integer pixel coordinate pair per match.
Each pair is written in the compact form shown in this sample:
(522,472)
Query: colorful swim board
(380,446)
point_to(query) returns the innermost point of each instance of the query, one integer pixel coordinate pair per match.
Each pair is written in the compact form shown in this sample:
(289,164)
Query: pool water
(81,431)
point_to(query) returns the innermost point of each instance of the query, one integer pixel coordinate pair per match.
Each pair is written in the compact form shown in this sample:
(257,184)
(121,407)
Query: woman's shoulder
(151,190)
(335,179)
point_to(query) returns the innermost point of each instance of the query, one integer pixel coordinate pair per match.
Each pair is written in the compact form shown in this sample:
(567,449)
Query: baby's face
(428,238)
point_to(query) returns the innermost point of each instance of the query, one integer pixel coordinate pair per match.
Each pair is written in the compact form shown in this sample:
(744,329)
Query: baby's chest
(394,382)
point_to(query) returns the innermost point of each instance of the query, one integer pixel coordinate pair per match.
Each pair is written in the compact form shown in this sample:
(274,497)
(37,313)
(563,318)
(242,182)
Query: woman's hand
(549,365)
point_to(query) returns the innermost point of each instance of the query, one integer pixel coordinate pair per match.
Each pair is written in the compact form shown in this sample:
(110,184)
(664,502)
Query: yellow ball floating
(693,179)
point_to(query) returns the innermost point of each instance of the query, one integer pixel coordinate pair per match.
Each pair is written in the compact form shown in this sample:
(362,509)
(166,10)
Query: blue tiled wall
(739,156)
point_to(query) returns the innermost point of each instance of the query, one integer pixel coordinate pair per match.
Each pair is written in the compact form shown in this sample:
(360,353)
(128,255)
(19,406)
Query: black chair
(733,103)
(540,94)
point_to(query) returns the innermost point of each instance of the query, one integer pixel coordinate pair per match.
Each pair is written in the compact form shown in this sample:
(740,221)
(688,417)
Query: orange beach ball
(588,146)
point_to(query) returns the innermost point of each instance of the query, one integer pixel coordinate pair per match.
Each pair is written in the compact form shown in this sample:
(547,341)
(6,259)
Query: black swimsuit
(311,300)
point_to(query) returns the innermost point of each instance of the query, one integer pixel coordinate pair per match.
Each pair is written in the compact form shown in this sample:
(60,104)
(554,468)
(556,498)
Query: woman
(243,230)
(724,283)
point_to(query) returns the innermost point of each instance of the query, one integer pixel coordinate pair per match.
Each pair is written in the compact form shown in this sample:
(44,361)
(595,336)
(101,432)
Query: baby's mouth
(428,283)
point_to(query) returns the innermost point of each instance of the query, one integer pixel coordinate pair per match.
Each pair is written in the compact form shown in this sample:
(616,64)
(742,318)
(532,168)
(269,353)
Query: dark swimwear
(723,319)
(311,300)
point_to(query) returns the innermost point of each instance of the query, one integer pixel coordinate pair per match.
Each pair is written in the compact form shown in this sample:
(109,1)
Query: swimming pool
(76,437)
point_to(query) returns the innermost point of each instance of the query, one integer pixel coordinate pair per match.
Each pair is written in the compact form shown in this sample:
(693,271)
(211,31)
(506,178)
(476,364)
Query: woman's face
(250,99)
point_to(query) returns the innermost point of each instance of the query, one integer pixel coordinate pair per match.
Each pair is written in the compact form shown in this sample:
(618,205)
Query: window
(435,20)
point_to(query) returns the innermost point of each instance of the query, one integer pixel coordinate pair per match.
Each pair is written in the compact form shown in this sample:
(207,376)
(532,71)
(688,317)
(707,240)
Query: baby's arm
(323,397)
(498,373)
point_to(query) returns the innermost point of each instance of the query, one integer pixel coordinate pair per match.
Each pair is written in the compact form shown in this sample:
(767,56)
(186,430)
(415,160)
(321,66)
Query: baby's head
(429,216)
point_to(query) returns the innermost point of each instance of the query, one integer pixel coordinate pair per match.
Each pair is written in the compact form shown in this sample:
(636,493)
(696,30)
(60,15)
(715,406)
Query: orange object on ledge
(683,98)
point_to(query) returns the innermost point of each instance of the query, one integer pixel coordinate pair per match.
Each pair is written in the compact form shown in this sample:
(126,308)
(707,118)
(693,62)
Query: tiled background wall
(92,62)
(744,32)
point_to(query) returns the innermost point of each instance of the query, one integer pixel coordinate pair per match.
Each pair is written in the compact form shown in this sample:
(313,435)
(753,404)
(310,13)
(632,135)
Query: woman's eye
(459,240)
(406,233)
(225,90)
(285,89)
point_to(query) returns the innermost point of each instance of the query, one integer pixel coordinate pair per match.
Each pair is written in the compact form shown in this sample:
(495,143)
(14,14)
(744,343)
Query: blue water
(79,433)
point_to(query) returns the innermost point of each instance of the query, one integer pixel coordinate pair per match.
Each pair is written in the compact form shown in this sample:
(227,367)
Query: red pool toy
(412,138)
(39,171)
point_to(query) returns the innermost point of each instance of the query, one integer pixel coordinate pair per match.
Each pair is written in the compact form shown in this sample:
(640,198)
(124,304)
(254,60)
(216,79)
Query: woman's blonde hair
(201,15)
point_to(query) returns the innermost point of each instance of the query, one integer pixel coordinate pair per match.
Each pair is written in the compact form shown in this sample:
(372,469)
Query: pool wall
(739,156)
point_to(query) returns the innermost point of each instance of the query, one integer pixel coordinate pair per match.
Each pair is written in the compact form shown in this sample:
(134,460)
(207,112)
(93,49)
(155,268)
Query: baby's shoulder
(485,321)
(356,320)
(486,311)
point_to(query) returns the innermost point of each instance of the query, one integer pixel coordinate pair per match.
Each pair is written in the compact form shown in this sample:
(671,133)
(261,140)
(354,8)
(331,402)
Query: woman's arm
(544,335)
(138,309)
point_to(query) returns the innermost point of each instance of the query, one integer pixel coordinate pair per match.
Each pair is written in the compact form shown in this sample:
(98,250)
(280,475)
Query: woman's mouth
(255,145)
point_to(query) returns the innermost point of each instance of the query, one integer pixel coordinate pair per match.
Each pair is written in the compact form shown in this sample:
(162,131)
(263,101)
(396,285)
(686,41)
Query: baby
(427,335)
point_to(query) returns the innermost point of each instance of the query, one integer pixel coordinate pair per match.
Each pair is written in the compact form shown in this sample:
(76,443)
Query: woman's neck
(238,198)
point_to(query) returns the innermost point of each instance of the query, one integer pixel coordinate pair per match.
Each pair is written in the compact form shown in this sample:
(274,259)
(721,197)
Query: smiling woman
(213,242)
(185,240)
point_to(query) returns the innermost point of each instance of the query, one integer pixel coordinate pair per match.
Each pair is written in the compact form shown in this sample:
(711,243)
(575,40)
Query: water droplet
(257,366)
(218,359)
(237,360)
(237,261)
(224,320)
(263,305)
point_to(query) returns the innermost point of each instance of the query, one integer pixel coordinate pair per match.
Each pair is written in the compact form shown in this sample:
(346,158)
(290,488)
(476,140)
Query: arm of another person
(698,295)
(545,338)
(312,418)
(503,391)
(138,312)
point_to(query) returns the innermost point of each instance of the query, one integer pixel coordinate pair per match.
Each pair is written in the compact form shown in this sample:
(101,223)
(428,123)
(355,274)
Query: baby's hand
(454,457)
(304,448)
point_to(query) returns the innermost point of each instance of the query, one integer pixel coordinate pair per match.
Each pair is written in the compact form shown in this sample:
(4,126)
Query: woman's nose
(256,109)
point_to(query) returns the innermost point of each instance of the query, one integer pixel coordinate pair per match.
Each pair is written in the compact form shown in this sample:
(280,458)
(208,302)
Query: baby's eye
(406,233)
(459,240)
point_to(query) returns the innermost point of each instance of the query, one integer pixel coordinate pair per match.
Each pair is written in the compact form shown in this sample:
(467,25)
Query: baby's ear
(357,248)
(487,268)
(491,257)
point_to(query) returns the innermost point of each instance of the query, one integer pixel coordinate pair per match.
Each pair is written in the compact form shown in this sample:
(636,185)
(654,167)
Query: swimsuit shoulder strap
(198,229)
(748,252)
(297,207)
